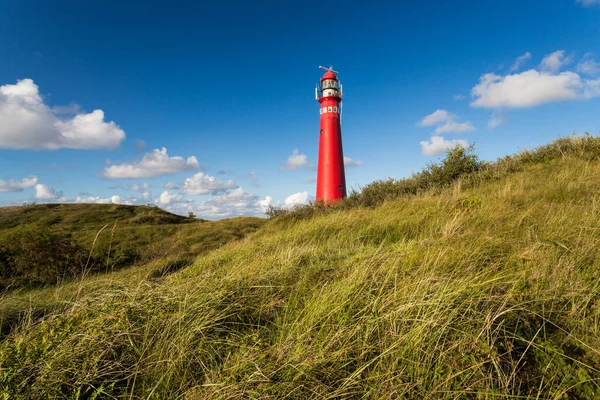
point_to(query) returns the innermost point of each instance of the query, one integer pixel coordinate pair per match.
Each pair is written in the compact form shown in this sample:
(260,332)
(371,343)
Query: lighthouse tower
(331,178)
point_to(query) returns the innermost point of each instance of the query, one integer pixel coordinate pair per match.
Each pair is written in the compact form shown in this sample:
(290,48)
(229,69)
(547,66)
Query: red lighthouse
(331,178)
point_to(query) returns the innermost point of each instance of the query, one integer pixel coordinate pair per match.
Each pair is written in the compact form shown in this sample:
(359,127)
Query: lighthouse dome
(329,75)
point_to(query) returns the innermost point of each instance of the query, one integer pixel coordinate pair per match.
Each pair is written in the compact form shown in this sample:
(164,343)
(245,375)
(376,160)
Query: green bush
(33,255)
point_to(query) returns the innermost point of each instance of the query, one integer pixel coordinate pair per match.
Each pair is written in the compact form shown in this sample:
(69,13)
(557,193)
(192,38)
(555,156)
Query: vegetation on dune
(58,242)
(483,286)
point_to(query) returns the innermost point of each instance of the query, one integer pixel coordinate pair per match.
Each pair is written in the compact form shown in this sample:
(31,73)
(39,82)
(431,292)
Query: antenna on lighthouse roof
(329,69)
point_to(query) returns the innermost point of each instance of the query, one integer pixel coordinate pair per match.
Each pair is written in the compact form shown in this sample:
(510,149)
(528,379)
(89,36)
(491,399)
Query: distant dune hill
(45,244)
(75,216)
(468,280)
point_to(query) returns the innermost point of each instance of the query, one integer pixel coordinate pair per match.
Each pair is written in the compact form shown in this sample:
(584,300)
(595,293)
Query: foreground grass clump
(482,291)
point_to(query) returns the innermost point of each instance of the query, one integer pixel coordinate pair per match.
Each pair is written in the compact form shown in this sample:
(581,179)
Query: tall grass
(482,289)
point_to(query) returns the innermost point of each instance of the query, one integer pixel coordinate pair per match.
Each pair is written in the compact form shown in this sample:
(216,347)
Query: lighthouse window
(320,111)
(334,109)
(328,109)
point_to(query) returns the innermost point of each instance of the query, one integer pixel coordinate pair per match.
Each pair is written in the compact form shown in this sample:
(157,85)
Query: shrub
(33,255)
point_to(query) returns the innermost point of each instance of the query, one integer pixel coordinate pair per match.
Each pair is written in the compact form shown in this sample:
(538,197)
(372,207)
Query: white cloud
(155,163)
(553,62)
(44,192)
(17,186)
(167,198)
(531,88)
(438,145)
(236,202)
(114,199)
(588,65)
(296,161)
(589,3)
(446,123)
(348,162)
(459,97)
(201,183)
(520,61)
(436,117)
(27,123)
(296,199)
(496,120)
(265,203)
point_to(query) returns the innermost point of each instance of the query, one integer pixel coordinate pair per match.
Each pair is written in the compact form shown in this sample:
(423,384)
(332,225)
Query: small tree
(191,214)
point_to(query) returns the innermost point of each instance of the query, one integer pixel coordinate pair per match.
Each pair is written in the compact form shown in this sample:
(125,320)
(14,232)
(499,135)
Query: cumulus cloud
(446,123)
(27,123)
(114,199)
(348,162)
(296,199)
(296,161)
(438,145)
(167,198)
(155,163)
(235,202)
(520,61)
(201,183)
(536,86)
(17,186)
(45,192)
(531,88)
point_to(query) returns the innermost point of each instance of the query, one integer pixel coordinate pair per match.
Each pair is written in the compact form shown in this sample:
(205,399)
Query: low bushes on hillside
(33,255)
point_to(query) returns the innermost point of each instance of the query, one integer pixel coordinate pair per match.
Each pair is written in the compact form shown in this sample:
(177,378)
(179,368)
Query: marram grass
(488,291)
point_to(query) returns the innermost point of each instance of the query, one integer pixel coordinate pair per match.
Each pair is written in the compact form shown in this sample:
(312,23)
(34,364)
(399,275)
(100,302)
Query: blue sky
(209,106)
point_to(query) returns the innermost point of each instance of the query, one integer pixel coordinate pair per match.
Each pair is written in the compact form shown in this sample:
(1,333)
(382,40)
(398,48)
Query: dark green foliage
(33,255)
(459,161)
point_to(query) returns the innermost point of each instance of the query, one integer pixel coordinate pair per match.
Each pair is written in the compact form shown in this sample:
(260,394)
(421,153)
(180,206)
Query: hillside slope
(488,292)
(50,243)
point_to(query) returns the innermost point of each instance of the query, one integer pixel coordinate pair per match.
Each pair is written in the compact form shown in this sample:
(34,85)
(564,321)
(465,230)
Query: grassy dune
(488,288)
